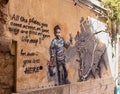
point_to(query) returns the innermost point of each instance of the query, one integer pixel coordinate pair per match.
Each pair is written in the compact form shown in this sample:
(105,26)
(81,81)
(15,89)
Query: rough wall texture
(6,73)
(99,86)
(31,23)
(5,40)
(6,59)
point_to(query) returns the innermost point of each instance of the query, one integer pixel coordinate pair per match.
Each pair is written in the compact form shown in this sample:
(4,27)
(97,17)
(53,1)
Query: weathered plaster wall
(30,23)
(99,86)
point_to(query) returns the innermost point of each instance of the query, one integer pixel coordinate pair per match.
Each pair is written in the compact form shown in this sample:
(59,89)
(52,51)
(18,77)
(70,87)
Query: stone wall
(6,73)
(30,23)
(7,60)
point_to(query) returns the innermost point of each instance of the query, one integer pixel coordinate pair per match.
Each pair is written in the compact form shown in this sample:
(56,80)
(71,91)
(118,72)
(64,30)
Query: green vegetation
(113,16)
(114,10)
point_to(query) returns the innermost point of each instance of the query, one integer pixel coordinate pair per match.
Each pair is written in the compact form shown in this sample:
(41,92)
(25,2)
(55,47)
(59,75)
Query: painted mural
(83,48)
(91,54)
(32,33)
(52,45)
(57,55)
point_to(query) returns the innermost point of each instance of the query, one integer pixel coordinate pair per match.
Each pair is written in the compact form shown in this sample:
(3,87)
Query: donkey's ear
(81,19)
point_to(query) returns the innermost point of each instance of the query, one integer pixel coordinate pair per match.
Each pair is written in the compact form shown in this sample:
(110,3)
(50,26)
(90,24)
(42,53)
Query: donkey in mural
(92,53)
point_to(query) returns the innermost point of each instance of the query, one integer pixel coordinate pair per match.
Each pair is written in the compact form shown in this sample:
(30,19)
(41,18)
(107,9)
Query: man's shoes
(67,82)
(55,85)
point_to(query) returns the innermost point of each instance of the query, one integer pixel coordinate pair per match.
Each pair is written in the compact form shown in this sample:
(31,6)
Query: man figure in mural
(57,55)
